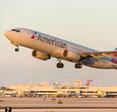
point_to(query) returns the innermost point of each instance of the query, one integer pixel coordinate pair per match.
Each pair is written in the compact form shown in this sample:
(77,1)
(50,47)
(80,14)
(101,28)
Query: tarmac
(59,104)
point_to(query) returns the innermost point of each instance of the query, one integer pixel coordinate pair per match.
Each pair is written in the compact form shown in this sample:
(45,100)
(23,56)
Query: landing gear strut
(78,65)
(60,65)
(17,49)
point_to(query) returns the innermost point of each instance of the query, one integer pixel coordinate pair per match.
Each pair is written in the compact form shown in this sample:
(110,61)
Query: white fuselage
(55,47)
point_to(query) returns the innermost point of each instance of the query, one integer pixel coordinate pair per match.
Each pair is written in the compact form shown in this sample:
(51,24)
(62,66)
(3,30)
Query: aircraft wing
(99,54)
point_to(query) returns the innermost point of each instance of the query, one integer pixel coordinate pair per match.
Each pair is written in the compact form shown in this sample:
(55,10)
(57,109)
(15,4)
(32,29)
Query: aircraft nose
(6,33)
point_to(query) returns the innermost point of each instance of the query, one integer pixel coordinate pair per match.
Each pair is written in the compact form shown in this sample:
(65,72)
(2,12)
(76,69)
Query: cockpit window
(15,30)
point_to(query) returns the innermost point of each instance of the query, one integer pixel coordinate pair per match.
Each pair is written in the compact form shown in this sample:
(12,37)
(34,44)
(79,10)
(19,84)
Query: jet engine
(40,55)
(68,55)
(72,56)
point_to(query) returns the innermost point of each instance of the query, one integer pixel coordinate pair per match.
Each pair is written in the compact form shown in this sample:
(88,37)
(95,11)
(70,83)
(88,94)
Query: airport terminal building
(44,89)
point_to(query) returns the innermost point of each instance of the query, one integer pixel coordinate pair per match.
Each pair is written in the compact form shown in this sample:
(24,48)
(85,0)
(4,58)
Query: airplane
(45,47)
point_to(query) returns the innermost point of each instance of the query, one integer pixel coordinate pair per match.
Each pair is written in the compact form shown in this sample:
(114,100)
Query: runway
(62,110)
(59,104)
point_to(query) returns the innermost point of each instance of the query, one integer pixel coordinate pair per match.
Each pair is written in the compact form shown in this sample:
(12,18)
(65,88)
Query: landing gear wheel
(60,65)
(78,66)
(17,49)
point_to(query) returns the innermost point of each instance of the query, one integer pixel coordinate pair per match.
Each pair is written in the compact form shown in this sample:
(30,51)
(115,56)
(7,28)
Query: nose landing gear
(17,46)
(17,49)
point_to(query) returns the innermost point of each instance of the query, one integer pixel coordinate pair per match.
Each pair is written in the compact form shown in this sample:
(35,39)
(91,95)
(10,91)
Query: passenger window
(39,35)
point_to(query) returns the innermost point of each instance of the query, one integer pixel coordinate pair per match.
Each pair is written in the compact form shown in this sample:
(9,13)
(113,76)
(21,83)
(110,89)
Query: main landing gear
(78,65)
(60,65)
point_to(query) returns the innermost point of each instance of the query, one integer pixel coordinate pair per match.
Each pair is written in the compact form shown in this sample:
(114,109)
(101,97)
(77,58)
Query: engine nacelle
(68,55)
(40,55)
(72,56)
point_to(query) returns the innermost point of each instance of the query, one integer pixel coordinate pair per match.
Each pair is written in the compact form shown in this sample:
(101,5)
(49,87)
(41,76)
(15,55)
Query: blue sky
(91,23)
